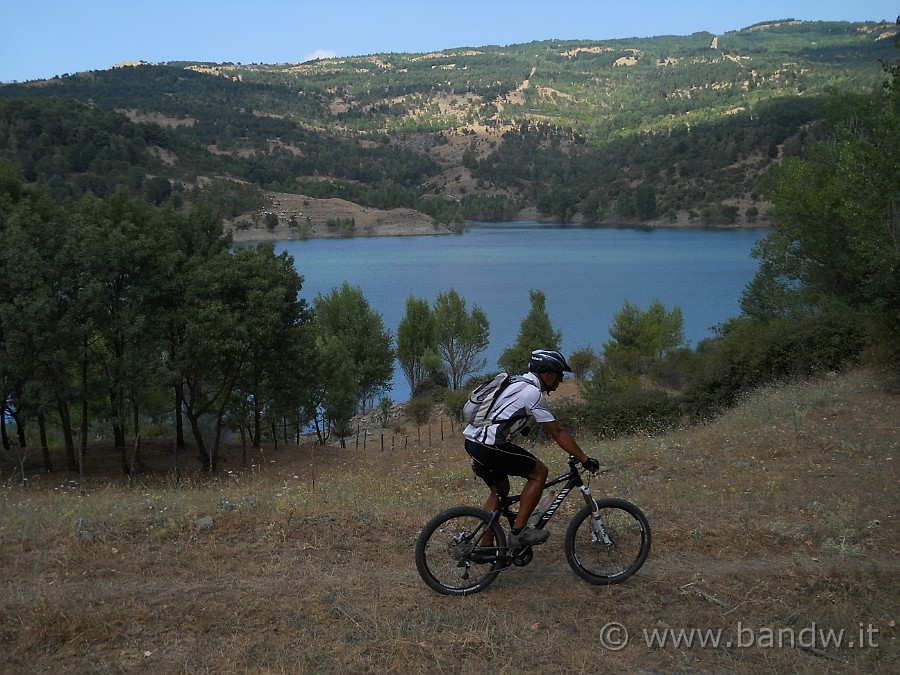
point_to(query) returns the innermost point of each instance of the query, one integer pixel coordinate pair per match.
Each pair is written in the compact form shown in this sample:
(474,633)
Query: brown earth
(779,517)
(312,215)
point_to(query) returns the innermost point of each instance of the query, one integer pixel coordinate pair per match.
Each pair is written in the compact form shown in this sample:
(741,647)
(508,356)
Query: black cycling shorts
(494,464)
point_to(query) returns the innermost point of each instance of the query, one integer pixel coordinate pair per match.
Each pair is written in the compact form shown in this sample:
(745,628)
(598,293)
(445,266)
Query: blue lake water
(585,273)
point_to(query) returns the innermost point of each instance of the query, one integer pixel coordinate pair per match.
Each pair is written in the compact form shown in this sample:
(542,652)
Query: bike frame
(572,480)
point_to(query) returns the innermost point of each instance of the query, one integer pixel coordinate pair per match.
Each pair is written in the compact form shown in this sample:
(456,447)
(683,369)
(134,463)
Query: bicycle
(463,549)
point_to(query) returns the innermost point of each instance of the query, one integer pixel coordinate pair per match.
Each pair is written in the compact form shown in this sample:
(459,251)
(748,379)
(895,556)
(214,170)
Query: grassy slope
(780,515)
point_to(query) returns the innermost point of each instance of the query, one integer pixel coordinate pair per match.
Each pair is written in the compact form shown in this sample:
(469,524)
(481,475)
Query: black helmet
(548,361)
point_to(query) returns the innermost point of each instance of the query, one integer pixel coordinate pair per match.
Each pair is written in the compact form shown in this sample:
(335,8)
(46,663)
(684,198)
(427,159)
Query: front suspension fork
(599,530)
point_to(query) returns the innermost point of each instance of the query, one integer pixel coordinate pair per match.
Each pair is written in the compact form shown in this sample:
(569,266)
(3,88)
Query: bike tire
(602,564)
(444,557)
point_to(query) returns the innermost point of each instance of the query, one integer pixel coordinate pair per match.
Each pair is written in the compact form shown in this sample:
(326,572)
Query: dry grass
(782,515)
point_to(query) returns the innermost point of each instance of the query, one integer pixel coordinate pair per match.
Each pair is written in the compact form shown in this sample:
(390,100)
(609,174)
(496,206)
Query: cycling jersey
(522,399)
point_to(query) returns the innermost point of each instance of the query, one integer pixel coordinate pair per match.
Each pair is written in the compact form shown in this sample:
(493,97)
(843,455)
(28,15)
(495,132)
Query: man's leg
(493,500)
(531,493)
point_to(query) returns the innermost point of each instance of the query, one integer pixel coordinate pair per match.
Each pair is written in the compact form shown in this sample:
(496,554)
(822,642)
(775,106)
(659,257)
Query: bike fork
(599,534)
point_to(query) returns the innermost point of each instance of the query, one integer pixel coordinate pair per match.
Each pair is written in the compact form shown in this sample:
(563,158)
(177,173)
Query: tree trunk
(20,432)
(135,462)
(257,424)
(115,409)
(45,448)
(198,436)
(66,422)
(84,399)
(6,445)
(179,420)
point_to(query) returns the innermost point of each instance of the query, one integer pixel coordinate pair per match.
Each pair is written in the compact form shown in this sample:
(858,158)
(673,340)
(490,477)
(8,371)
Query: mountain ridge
(670,128)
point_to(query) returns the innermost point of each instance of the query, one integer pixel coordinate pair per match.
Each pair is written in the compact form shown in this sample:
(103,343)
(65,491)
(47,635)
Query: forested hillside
(125,309)
(619,130)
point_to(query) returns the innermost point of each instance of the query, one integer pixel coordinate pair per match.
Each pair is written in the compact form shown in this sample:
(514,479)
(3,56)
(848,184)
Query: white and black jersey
(520,400)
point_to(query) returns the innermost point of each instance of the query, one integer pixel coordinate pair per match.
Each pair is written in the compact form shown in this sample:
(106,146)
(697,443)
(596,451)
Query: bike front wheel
(615,552)
(460,551)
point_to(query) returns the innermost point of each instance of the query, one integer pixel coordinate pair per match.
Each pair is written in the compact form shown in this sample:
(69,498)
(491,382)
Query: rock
(206,523)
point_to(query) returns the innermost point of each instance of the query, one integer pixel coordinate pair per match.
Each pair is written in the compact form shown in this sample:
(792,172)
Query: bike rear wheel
(608,562)
(452,552)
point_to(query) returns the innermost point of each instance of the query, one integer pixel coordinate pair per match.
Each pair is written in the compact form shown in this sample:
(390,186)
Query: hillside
(779,517)
(630,130)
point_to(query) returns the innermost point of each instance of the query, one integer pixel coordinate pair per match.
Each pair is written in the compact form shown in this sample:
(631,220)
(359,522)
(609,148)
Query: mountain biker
(495,457)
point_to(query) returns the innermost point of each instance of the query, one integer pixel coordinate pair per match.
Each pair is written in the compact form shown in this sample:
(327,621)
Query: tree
(346,313)
(416,335)
(36,349)
(276,350)
(836,238)
(640,338)
(245,313)
(126,262)
(535,332)
(336,392)
(583,360)
(462,336)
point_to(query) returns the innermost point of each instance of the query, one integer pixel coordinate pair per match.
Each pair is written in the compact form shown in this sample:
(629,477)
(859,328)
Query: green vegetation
(535,332)
(124,309)
(630,129)
(827,293)
(463,335)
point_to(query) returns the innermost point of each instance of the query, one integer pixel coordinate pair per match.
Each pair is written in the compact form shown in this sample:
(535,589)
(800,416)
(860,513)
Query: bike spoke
(451,556)
(615,556)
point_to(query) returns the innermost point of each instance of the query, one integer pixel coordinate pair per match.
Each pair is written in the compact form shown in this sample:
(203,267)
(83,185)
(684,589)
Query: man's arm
(564,440)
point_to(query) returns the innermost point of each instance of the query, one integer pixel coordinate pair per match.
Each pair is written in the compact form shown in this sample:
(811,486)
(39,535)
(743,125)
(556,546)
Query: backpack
(477,409)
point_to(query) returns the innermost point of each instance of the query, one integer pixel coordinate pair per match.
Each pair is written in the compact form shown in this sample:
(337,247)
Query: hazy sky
(43,38)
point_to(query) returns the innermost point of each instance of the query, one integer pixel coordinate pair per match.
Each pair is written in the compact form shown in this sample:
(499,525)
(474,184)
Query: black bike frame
(572,480)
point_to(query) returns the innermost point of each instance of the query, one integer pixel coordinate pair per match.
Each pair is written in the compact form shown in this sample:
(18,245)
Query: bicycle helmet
(548,361)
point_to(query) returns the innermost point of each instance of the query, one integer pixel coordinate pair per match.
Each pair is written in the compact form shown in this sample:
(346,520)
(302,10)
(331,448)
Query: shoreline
(312,215)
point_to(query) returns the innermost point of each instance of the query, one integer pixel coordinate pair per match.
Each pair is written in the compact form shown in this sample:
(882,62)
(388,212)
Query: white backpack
(477,409)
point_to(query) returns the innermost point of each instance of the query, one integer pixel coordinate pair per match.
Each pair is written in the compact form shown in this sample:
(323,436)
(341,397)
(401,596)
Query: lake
(585,273)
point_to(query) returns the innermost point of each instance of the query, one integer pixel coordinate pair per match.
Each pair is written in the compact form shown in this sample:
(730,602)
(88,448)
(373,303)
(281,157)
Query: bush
(583,360)
(751,354)
(615,405)
(419,410)
(454,402)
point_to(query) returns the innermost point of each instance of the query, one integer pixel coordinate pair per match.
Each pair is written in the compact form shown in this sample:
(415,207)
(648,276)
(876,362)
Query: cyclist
(495,457)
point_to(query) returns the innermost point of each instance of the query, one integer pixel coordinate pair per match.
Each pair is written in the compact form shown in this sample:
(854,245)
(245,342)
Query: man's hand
(591,465)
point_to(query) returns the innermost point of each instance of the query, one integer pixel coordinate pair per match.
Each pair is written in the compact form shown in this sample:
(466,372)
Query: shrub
(750,354)
(583,360)
(419,409)
(615,405)
(454,402)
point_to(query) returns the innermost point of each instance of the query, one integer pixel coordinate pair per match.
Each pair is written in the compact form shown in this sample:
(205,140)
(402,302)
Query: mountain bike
(464,548)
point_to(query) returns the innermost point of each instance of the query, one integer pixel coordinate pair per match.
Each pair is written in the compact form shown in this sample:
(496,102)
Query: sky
(43,38)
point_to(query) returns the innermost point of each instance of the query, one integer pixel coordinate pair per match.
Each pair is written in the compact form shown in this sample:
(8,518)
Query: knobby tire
(599,563)
(446,555)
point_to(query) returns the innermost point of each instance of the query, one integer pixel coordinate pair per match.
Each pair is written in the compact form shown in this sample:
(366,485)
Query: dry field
(775,528)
